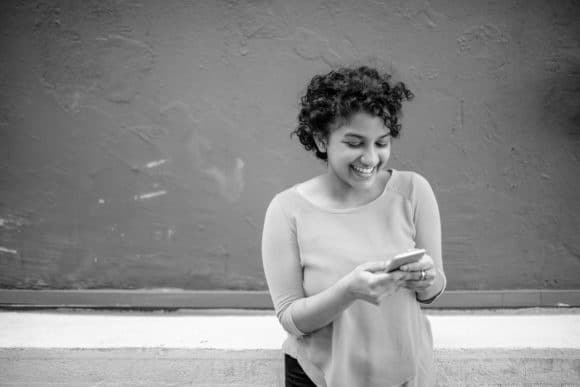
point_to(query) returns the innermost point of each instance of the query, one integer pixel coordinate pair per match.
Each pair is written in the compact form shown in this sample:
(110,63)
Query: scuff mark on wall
(164,234)
(8,251)
(132,59)
(154,164)
(149,134)
(312,46)
(420,16)
(477,39)
(249,220)
(74,105)
(261,21)
(150,195)
(424,72)
(484,48)
(14,222)
(178,114)
(231,184)
(112,67)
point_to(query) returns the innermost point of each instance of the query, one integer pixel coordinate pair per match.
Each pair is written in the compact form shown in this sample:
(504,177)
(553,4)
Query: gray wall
(140,141)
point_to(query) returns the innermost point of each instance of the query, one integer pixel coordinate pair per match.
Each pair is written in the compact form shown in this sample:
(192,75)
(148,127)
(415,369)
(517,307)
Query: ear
(320,143)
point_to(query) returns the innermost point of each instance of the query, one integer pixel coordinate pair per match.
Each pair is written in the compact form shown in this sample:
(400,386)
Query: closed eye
(357,144)
(353,144)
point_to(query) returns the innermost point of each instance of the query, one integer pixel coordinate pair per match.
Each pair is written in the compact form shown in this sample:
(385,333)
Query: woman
(327,241)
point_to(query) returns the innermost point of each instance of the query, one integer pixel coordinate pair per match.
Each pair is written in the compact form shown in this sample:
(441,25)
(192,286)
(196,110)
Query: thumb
(374,266)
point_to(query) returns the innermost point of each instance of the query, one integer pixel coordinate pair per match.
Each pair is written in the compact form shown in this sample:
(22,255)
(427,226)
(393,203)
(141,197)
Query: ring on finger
(423,275)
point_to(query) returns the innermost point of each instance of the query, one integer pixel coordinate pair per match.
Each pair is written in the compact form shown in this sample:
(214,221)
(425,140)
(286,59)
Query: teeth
(363,171)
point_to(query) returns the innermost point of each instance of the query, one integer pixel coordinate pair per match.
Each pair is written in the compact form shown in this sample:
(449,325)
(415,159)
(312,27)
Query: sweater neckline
(349,209)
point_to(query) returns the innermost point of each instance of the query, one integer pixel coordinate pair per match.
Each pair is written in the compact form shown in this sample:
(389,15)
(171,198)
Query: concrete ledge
(183,367)
(241,348)
(140,367)
(178,299)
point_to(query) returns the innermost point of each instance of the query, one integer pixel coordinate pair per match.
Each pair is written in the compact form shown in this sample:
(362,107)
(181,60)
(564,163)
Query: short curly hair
(339,94)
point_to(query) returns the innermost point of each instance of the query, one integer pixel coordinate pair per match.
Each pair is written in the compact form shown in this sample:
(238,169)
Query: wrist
(434,290)
(345,287)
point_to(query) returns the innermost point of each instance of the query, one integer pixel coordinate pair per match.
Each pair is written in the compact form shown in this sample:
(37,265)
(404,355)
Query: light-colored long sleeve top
(307,248)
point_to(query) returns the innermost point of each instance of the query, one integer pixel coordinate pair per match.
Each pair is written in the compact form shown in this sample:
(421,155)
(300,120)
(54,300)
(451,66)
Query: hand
(369,282)
(412,273)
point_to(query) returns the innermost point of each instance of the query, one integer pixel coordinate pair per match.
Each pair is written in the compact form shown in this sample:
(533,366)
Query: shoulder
(285,207)
(311,188)
(285,201)
(290,196)
(409,184)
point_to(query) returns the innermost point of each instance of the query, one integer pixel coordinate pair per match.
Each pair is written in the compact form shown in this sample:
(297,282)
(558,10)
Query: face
(357,151)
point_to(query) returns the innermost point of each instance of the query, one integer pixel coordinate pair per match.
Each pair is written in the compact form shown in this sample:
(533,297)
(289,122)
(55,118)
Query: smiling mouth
(365,172)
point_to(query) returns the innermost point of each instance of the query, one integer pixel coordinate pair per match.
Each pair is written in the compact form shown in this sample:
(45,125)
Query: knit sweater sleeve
(281,261)
(428,235)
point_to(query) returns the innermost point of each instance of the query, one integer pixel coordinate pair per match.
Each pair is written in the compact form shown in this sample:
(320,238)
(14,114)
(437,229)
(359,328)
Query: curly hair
(337,95)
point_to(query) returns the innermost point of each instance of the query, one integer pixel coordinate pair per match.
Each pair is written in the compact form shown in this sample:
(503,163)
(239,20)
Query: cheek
(342,161)
(385,154)
(344,156)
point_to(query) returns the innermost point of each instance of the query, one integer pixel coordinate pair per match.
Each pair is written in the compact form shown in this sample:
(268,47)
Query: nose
(370,157)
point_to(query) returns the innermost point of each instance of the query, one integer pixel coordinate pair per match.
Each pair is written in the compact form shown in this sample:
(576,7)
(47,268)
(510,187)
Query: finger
(417,266)
(415,285)
(416,275)
(374,266)
(429,275)
(410,276)
(410,267)
(397,275)
(422,264)
(380,277)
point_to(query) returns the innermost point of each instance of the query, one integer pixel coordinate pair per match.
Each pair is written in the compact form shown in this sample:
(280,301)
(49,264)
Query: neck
(340,192)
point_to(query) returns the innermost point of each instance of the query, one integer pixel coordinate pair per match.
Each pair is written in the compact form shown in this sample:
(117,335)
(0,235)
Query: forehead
(362,124)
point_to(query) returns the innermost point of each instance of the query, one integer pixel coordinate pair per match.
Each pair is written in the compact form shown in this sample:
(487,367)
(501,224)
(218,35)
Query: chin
(364,182)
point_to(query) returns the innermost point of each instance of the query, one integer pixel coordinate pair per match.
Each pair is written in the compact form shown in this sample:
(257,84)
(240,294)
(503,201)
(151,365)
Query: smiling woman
(327,244)
(356,152)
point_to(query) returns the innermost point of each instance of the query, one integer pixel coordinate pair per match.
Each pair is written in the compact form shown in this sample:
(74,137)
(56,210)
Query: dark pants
(295,375)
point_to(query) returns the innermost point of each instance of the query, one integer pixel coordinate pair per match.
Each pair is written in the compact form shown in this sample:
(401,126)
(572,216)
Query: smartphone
(404,258)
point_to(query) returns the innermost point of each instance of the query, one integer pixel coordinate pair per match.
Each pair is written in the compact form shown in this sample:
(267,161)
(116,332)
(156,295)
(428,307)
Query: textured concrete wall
(140,141)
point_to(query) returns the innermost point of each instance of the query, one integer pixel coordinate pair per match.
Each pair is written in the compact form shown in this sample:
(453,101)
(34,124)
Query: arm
(299,315)
(428,236)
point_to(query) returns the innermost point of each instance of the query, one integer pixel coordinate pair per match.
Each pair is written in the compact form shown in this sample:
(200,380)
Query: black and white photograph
(289,193)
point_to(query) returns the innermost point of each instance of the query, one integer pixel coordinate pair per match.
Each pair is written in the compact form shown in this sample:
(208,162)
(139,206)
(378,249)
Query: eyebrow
(358,136)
